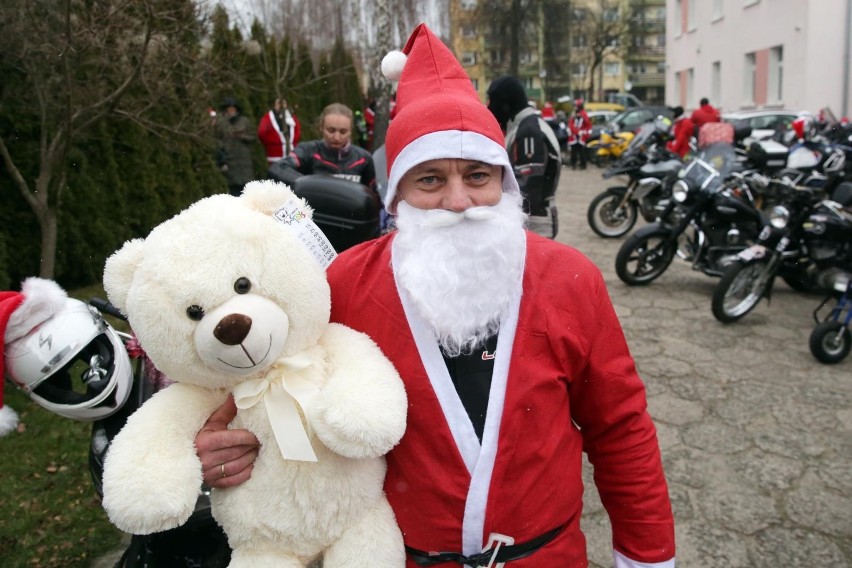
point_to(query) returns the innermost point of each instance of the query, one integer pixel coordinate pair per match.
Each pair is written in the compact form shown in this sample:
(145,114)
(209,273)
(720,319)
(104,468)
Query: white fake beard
(461,270)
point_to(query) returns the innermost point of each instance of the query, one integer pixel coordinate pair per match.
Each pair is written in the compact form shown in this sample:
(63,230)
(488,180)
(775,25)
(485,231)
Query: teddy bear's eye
(195,312)
(242,285)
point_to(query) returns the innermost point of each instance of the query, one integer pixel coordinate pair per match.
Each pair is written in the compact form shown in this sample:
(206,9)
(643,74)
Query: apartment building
(555,49)
(754,54)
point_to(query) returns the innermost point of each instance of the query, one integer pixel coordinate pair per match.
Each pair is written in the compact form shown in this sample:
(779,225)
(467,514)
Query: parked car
(599,119)
(633,118)
(759,124)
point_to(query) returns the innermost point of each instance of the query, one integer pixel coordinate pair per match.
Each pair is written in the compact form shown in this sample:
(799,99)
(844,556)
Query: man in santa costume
(277,131)
(512,356)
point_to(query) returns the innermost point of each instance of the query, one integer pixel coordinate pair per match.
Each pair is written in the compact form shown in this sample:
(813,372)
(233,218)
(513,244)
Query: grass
(51,514)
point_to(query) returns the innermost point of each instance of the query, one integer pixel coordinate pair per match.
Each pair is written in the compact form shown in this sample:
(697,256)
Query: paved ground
(756,435)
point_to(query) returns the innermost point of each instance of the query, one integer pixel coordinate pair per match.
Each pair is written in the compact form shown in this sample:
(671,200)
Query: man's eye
(428,179)
(479,176)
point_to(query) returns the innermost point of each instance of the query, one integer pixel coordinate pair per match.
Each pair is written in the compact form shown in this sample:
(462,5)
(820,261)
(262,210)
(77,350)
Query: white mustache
(440,218)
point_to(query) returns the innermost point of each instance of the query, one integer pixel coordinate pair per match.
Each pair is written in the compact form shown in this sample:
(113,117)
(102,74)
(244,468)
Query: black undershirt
(471,375)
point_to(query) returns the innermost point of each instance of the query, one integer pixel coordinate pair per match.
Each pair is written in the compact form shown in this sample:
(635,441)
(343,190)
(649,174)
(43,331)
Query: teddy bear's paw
(155,512)
(257,557)
(375,541)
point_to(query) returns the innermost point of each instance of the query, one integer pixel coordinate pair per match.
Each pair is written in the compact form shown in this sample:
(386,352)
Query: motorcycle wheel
(830,342)
(607,219)
(740,290)
(642,259)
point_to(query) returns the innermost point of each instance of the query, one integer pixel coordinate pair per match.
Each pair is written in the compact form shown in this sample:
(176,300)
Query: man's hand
(227,456)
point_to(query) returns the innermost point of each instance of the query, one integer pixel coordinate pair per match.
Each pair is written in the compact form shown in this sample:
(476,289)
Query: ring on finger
(222,469)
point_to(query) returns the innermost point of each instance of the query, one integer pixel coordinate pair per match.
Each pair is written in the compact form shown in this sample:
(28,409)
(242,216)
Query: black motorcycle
(807,241)
(831,339)
(711,218)
(651,171)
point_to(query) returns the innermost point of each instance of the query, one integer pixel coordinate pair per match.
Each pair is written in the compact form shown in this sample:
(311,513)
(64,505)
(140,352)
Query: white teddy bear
(226,298)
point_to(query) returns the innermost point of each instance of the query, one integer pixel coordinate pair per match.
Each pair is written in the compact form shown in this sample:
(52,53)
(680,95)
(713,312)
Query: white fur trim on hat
(8,420)
(393,64)
(462,144)
(42,300)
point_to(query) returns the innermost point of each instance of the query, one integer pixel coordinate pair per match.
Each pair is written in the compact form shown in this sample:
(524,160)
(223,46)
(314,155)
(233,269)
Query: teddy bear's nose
(232,329)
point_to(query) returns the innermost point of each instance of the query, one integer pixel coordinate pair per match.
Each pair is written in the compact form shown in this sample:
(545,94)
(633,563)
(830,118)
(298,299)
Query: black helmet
(506,98)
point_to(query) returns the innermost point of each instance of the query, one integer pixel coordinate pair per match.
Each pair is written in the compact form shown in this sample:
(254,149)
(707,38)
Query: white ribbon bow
(283,392)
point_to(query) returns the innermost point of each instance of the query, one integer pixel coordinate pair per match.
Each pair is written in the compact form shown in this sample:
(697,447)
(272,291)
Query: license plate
(752,252)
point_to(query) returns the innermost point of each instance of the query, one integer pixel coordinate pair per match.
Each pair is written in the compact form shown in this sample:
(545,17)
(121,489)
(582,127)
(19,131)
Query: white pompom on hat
(20,313)
(438,114)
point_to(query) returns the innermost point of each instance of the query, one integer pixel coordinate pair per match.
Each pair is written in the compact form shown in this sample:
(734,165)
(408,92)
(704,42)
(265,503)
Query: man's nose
(456,198)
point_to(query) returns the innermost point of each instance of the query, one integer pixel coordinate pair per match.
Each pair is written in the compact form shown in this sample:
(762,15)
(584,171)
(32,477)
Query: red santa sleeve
(608,403)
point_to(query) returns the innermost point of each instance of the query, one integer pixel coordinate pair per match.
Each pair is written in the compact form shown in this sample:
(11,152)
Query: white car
(763,124)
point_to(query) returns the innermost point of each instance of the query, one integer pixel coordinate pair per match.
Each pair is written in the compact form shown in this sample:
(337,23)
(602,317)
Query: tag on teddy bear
(298,221)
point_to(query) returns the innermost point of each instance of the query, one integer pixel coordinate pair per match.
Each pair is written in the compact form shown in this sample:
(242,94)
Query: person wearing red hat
(513,358)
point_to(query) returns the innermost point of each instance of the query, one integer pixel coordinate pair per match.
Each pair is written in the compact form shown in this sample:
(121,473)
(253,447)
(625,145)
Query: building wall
(811,34)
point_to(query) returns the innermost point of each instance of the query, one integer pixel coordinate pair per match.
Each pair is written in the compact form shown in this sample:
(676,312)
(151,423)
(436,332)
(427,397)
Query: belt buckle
(497,540)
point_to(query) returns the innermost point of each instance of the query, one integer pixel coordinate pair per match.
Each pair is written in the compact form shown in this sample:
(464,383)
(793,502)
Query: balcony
(650,51)
(648,79)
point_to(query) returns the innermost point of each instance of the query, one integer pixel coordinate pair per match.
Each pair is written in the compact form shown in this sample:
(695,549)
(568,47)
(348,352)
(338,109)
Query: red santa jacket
(566,383)
(580,127)
(683,130)
(273,136)
(704,114)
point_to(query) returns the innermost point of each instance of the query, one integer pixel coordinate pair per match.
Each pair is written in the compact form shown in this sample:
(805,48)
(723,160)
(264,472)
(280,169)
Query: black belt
(505,553)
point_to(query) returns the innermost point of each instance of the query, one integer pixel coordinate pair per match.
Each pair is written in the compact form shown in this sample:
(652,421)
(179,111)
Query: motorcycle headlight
(679,191)
(779,216)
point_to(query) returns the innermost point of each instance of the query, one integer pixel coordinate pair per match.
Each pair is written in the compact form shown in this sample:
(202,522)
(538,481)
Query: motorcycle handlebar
(107,308)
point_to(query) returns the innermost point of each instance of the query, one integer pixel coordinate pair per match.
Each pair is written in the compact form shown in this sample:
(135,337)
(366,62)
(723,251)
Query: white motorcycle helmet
(74,364)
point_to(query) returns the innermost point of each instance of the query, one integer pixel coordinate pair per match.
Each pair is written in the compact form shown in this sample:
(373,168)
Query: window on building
(468,4)
(749,69)
(468,30)
(775,89)
(496,56)
(678,95)
(717,9)
(661,40)
(468,58)
(526,57)
(716,82)
(528,82)
(579,14)
(612,68)
(691,21)
(610,15)
(690,87)
(578,40)
(678,17)
(661,67)
(578,69)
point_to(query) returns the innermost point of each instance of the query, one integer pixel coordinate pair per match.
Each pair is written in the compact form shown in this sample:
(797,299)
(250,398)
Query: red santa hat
(20,313)
(438,113)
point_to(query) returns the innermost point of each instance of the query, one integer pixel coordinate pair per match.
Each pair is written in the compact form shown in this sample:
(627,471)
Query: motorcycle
(651,170)
(807,241)
(609,146)
(711,218)
(831,340)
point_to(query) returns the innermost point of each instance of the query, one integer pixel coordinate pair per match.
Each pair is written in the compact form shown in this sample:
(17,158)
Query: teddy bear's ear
(119,270)
(268,196)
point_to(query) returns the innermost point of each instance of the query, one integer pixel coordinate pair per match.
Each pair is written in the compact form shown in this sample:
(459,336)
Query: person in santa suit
(580,127)
(683,130)
(512,356)
(277,131)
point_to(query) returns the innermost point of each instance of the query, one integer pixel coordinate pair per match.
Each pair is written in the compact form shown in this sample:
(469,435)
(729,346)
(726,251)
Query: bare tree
(605,25)
(78,62)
